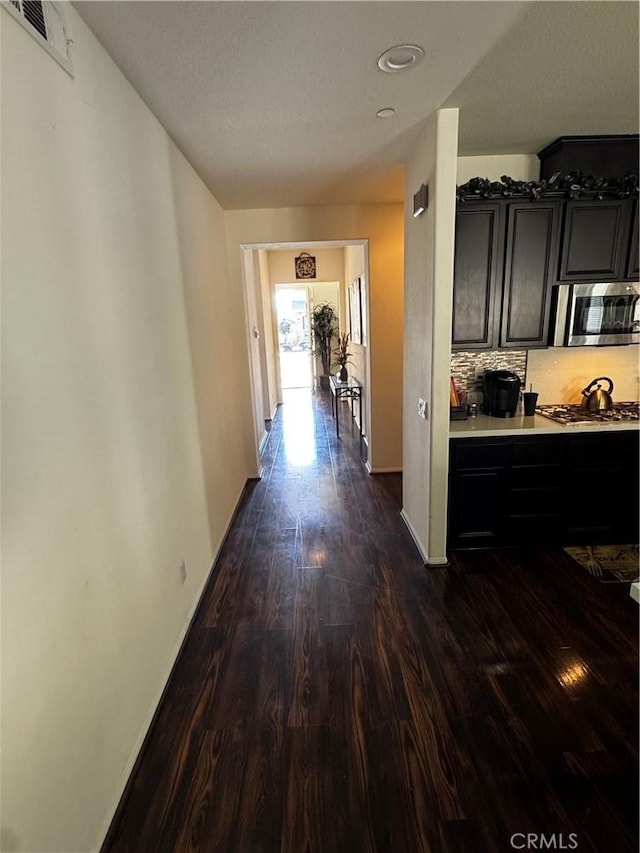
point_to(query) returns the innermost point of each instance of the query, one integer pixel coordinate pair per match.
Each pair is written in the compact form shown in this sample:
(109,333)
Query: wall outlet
(422,409)
(183,572)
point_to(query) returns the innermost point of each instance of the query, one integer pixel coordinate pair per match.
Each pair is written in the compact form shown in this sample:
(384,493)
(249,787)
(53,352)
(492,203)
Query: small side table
(349,390)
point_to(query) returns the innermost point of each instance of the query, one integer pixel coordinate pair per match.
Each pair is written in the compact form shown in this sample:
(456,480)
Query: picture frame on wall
(355,317)
(363,312)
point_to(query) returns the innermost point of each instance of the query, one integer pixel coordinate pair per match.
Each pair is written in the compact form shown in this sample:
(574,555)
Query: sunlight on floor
(295,370)
(298,427)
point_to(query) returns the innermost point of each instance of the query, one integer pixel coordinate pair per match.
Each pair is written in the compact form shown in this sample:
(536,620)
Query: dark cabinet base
(571,489)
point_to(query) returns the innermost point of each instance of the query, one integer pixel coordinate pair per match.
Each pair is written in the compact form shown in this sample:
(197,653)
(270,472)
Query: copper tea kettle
(598,400)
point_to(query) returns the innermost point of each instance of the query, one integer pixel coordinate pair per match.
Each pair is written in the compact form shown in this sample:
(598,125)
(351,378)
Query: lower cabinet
(602,472)
(544,490)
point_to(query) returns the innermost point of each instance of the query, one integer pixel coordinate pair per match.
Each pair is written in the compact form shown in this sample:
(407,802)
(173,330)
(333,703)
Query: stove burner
(574,413)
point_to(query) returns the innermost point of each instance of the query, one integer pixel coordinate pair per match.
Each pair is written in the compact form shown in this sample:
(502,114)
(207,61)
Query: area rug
(608,563)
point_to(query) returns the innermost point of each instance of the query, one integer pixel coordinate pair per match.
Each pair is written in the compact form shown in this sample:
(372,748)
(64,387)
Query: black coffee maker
(501,393)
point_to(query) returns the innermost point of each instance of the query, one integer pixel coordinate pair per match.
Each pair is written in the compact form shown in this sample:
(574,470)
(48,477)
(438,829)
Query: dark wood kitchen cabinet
(477,491)
(535,491)
(479,252)
(533,233)
(602,488)
(596,239)
(567,489)
(633,268)
(505,264)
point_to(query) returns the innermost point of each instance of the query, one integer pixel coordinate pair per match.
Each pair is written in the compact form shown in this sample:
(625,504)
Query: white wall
(520,167)
(382,225)
(429,244)
(120,349)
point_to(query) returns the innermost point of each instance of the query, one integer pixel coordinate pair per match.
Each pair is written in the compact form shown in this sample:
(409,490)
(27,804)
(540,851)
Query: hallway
(334,696)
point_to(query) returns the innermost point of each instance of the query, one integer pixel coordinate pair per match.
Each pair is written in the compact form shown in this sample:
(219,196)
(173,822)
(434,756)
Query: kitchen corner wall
(427,338)
(126,428)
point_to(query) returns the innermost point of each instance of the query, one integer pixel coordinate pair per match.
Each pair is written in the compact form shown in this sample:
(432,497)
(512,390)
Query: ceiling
(274,103)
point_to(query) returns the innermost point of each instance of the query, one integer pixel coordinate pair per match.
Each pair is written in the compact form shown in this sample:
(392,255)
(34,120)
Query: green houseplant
(324,325)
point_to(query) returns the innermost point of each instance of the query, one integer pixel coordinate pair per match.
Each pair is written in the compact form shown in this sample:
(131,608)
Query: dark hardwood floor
(334,695)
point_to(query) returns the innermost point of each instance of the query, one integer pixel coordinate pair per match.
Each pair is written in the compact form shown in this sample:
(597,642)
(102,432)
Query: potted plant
(343,356)
(324,325)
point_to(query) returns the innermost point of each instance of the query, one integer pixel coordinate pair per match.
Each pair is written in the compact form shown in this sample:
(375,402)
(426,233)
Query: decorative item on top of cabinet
(571,185)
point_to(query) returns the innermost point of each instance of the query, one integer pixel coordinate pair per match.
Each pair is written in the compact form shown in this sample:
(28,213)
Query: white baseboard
(139,742)
(437,561)
(634,592)
(382,470)
(428,561)
(421,549)
(263,441)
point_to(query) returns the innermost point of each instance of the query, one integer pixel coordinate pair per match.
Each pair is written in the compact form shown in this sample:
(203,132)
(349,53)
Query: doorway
(266,271)
(294,336)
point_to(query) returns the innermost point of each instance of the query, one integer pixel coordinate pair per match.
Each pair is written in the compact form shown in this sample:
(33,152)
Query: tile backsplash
(468,365)
(558,373)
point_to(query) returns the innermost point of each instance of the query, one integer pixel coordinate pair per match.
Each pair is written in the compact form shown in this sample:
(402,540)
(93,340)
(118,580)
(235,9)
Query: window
(44,21)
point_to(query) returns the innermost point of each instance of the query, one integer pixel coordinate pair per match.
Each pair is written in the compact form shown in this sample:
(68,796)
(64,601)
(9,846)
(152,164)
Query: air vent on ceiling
(44,21)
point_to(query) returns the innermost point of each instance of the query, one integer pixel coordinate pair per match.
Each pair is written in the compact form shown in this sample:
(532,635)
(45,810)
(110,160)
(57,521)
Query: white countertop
(485,426)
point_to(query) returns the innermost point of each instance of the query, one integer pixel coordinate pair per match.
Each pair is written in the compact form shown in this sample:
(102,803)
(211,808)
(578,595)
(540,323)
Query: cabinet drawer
(534,530)
(542,501)
(536,476)
(601,449)
(540,451)
(470,455)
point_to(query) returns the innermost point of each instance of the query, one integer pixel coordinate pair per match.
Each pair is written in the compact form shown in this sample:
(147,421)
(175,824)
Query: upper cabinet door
(477,275)
(633,270)
(533,233)
(596,240)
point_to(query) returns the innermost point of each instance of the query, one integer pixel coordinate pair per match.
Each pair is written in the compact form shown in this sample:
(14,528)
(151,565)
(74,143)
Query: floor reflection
(298,427)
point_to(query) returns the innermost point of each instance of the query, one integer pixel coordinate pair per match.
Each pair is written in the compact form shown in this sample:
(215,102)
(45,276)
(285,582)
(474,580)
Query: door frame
(249,298)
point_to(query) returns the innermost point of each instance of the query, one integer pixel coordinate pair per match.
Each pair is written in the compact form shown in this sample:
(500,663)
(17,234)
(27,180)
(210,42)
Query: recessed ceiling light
(400,58)
(385,112)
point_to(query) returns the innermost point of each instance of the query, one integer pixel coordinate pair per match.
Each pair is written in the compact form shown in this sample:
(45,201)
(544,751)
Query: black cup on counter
(529,400)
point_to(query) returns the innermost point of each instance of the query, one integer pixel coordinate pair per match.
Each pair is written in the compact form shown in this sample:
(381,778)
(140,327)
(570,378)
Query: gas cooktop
(574,413)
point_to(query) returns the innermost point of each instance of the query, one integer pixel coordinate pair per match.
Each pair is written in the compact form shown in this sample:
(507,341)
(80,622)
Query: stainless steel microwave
(605,314)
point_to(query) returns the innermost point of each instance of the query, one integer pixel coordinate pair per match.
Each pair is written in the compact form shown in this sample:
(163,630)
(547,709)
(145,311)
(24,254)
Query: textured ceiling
(567,69)
(274,103)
